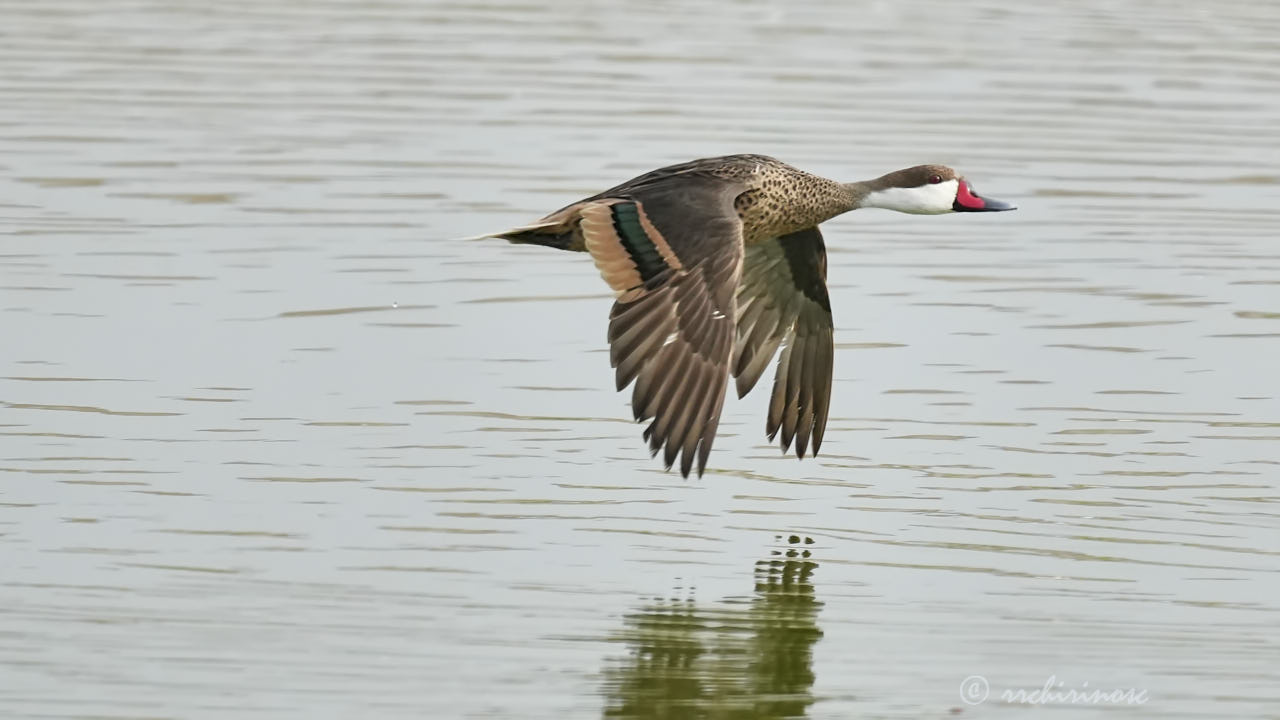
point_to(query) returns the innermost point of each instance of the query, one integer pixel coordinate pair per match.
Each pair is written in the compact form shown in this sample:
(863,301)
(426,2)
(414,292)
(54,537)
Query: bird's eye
(935,179)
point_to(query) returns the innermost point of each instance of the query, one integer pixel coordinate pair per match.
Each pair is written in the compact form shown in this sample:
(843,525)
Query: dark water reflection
(749,658)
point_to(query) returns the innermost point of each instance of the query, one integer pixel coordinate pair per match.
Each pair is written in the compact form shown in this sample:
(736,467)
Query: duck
(716,264)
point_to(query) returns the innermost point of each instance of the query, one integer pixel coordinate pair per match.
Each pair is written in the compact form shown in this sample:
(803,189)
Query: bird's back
(770,197)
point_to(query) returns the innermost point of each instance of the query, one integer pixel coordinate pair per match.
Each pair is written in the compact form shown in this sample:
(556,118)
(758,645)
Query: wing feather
(674,257)
(783,301)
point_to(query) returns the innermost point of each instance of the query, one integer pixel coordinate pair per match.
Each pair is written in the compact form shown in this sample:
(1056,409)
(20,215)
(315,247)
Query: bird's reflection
(741,658)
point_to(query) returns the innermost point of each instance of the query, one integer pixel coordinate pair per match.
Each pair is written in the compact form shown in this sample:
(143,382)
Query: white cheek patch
(923,200)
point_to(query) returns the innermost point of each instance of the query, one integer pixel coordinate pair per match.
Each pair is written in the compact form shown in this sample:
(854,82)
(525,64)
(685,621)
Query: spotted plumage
(718,263)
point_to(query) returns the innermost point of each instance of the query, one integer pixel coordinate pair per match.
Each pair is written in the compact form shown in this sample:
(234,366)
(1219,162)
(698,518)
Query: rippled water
(274,444)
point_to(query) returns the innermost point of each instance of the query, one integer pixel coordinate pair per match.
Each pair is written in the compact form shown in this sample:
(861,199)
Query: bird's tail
(560,238)
(558,230)
(554,235)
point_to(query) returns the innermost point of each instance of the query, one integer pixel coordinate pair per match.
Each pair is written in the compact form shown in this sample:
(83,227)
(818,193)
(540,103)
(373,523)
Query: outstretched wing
(674,256)
(783,300)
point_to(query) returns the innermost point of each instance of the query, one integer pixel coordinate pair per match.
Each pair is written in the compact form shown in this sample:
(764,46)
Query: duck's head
(928,190)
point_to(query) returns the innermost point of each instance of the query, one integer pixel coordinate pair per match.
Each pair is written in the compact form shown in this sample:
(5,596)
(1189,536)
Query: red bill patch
(966,197)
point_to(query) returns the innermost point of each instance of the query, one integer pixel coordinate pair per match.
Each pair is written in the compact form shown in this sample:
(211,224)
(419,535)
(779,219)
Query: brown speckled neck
(781,199)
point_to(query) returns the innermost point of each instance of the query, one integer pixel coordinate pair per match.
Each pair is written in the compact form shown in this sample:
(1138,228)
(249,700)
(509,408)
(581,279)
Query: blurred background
(275,444)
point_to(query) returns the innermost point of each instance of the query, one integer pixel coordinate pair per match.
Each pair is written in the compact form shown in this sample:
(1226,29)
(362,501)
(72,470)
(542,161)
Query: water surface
(275,444)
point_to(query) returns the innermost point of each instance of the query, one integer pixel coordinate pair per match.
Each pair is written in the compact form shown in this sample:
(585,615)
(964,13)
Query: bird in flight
(716,263)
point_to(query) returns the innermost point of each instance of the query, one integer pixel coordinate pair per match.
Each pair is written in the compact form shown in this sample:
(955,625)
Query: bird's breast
(766,215)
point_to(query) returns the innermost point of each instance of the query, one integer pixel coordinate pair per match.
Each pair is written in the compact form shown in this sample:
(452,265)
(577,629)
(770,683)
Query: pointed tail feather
(476,238)
(552,234)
